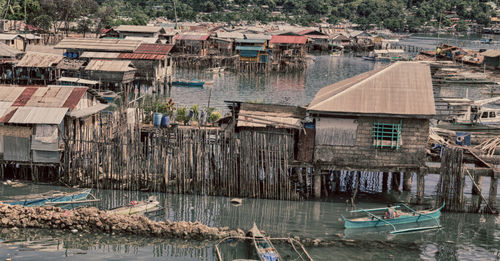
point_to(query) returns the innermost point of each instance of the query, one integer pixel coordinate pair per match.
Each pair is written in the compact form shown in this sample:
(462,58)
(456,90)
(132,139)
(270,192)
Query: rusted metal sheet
(7,115)
(74,98)
(194,37)
(288,39)
(142,56)
(24,97)
(154,48)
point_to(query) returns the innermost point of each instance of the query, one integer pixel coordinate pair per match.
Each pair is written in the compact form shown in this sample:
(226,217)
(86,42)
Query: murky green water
(464,236)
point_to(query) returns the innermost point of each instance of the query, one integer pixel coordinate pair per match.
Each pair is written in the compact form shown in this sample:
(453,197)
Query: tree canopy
(397,15)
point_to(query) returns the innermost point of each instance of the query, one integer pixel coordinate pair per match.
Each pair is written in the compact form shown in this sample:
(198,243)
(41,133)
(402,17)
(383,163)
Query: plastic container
(157,119)
(165,121)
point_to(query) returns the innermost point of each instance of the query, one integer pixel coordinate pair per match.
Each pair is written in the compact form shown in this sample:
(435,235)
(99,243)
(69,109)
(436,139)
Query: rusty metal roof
(142,56)
(154,48)
(109,66)
(403,88)
(39,60)
(194,37)
(37,104)
(288,39)
(106,45)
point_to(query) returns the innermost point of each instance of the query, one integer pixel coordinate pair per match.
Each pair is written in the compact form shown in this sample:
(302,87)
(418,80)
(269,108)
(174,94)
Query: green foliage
(213,116)
(396,15)
(182,115)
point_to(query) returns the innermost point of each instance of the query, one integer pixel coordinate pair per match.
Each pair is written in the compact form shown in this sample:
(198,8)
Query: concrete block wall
(363,154)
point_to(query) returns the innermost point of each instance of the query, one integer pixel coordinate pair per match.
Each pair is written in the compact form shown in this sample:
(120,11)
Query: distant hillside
(397,15)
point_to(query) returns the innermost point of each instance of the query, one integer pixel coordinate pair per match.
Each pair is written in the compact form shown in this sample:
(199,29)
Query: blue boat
(189,83)
(61,199)
(413,216)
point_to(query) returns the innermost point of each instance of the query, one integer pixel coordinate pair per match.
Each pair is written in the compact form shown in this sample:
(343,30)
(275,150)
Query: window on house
(387,135)
(484,115)
(492,114)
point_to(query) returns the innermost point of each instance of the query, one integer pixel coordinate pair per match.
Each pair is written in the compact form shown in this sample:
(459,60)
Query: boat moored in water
(138,207)
(189,83)
(57,198)
(413,216)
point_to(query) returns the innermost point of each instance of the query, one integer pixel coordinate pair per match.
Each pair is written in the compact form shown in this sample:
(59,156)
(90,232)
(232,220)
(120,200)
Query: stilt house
(377,121)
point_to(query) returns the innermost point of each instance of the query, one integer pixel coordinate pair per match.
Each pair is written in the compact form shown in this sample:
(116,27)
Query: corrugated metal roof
(8,36)
(38,115)
(39,60)
(87,44)
(403,88)
(7,51)
(88,111)
(194,37)
(109,66)
(70,64)
(288,39)
(258,41)
(258,36)
(138,28)
(142,56)
(249,48)
(491,53)
(230,35)
(154,48)
(99,55)
(53,96)
(150,40)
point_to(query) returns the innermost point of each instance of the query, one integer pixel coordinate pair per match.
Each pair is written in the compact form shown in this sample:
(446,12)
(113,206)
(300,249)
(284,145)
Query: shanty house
(153,65)
(252,50)
(8,58)
(316,39)
(12,40)
(113,74)
(192,44)
(37,68)
(34,120)
(491,59)
(73,48)
(378,120)
(139,31)
(288,46)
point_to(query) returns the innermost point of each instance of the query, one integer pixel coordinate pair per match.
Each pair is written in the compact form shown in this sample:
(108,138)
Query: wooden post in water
(317,182)
(385,180)
(396,179)
(420,185)
(478,179)
(492,201)
(407,181)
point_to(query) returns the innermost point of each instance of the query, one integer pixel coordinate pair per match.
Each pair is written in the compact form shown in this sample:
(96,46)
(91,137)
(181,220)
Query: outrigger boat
(412,216)
(264,247)
(61,199)
(138,207)
(189,83)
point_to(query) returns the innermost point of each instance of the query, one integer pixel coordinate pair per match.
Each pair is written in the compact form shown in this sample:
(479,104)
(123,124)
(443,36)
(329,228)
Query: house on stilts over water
(377,121)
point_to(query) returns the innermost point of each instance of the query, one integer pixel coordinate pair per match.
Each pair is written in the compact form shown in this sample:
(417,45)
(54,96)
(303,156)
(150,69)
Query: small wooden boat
(264,248)
(65,199)
(263,245)
(189,83)
(138,207)
(413,216)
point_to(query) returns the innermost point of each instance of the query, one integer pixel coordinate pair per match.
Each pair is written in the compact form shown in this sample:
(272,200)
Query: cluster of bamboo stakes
(116,155)
(200,62)
(450,188)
